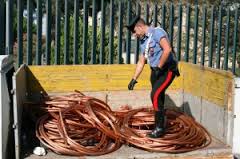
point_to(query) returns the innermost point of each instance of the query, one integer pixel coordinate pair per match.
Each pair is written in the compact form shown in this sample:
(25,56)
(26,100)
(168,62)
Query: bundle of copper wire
(79,125)
(183,133)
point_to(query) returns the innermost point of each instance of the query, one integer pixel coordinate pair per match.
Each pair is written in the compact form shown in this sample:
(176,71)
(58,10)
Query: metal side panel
(19,97)
(236,108)
(6,134)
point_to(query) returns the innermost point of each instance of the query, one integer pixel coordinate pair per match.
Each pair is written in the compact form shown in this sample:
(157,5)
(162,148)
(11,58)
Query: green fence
(2,27)
(48,32)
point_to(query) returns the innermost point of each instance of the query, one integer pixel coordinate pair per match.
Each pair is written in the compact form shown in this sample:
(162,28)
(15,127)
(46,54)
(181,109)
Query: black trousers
(160,82)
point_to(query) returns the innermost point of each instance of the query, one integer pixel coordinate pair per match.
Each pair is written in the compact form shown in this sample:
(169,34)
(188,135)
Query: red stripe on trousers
(160,89)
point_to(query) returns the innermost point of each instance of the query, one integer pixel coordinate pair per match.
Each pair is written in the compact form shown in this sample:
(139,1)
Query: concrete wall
(204,93)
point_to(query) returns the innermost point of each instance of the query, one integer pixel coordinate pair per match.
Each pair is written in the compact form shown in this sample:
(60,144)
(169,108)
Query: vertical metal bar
(20,33)
(29,31)
(235,41)
(128,33)
(120,31)
(210,55)
(57,33)
(219,38)
(188,12)
(171,23)
(179,32)
(155,14)
(2,27)
(9,27)
(138,10)
(147,12)
(203,35)
(227,40)
(195,35)
(39,32)
(85,31)
(66,34)
(49,29)
(111,35)
(76,31)
(102,42)
(94,34)
(163,14)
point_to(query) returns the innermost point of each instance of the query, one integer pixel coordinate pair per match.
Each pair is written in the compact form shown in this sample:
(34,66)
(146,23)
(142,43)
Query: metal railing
(93,32)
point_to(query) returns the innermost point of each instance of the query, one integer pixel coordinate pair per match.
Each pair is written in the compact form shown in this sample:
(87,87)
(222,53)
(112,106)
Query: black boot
(159,129)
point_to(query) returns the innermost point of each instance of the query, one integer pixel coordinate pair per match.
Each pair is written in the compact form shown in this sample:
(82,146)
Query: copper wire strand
(80,125)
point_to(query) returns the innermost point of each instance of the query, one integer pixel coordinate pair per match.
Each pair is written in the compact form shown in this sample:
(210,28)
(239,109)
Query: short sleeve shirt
(154,50)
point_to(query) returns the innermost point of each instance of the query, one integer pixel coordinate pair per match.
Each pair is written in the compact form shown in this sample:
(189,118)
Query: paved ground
(216,150)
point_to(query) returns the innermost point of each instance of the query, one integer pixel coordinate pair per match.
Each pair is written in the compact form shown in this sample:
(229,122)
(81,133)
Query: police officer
(156,49)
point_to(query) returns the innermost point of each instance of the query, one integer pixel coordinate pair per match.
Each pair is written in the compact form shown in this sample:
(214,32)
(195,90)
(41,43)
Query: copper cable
(183,133)
(79,125)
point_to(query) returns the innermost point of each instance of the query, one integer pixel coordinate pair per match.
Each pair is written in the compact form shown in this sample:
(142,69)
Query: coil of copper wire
(80,125)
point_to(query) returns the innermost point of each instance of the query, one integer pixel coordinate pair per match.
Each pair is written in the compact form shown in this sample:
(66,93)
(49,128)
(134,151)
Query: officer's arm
(165,45)
(140,66)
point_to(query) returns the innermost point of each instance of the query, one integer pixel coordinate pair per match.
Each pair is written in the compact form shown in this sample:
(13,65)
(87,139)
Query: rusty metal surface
(80,125)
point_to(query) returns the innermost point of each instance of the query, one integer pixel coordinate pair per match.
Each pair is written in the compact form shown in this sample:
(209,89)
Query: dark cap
(132,23)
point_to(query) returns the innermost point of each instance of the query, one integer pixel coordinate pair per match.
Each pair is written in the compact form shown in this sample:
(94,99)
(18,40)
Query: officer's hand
(131,84)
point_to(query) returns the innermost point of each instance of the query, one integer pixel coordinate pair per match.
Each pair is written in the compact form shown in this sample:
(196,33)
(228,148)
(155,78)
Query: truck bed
(216,149)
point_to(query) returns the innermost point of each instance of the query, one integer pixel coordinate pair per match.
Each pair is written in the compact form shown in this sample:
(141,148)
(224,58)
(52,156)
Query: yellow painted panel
(120,75)
(191,78)
(217,86)
(88,78)
(207,83)
(68,78)
(214,87)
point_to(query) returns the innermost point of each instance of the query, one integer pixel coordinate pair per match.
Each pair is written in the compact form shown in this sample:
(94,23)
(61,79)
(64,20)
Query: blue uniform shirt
(153,51)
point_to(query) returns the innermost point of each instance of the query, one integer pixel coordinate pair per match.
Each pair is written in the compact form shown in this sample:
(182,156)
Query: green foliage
(24,31)
(80,43)
(15,25)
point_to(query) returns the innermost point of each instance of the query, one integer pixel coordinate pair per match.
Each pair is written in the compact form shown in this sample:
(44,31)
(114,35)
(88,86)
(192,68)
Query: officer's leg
(153,78)
(158,97)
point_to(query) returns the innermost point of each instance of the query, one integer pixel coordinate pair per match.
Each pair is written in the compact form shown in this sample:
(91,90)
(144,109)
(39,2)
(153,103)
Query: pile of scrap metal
(80,125)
